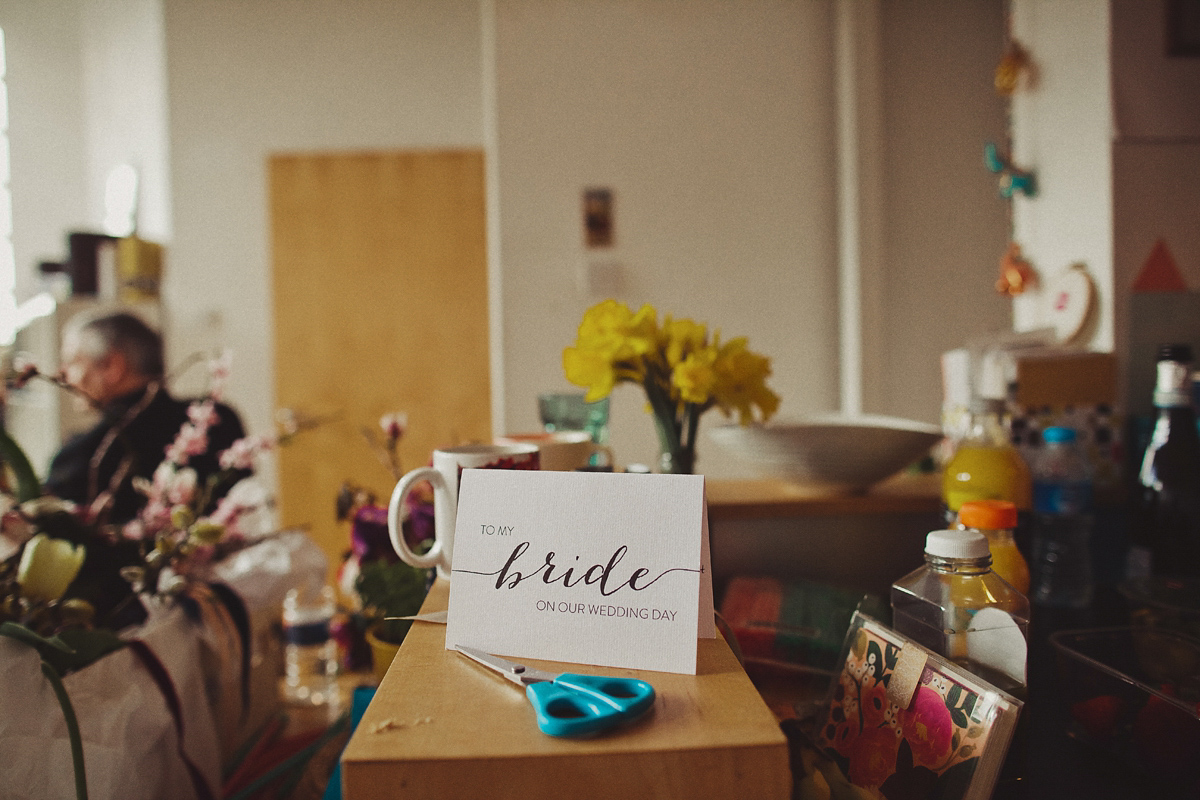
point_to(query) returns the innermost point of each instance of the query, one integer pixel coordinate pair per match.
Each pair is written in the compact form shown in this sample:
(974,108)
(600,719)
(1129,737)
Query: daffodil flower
(48,566)
(683,369)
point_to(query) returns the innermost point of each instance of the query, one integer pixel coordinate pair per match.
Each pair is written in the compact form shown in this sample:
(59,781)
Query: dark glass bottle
(1167,515)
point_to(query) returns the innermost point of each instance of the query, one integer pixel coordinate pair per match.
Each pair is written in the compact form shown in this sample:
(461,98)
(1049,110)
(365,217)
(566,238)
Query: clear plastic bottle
(310,651)
(986,465)
(996,519)
(958,607)
(1062,526)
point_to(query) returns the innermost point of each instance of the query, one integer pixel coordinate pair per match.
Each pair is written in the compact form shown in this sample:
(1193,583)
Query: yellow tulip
(48,566)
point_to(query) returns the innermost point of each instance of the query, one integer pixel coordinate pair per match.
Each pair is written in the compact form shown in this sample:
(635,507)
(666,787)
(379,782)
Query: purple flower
(369,538)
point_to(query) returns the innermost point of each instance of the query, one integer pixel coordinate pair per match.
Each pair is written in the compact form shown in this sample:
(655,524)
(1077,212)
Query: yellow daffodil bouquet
(683,369)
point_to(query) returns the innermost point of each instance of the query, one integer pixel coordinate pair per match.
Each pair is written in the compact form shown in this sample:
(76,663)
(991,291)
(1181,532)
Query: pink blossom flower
(134,529)
(182,489)
(394,425)
(227,511)
(191,441)
(155,516)
(244,498)
(928,727)
(203,414)
(241,453)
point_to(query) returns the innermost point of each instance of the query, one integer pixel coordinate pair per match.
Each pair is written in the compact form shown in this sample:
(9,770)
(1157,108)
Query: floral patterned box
(951,739)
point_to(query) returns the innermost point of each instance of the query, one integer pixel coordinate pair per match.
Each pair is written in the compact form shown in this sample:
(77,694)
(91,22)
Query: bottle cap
(988,515)
(1058,434)
(956,544)
(1175,352)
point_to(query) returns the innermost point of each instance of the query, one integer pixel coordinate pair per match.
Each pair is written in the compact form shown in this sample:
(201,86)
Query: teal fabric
(358,704)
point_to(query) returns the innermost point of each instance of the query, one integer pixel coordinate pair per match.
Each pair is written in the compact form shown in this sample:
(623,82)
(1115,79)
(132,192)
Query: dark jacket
(146,437)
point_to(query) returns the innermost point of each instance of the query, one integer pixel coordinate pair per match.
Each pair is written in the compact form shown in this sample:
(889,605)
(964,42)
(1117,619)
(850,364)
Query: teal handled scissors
(568,704)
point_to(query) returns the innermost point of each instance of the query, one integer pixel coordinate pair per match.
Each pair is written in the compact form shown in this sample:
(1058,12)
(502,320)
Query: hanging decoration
(1013,179)
(1013,64)
(1016,273)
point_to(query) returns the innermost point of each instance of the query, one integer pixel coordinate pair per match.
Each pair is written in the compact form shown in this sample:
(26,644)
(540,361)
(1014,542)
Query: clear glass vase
(674,458)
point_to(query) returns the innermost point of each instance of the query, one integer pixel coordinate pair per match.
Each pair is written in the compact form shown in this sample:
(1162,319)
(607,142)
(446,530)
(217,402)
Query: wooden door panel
(380,292)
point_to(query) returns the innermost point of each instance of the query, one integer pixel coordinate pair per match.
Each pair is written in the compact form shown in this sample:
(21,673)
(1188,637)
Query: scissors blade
(517,673)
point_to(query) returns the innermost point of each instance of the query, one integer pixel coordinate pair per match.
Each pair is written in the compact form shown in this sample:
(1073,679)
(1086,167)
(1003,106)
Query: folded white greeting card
(609,569)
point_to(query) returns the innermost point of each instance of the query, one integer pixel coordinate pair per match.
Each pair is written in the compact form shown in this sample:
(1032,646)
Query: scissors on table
(568,704)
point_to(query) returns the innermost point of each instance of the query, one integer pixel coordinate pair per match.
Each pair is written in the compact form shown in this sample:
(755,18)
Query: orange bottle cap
(988,515)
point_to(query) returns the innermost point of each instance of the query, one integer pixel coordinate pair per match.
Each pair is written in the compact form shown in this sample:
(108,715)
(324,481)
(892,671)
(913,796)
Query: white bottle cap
(956,544)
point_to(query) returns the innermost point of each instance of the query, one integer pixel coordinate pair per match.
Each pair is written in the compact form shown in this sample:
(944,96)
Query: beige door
(380,292)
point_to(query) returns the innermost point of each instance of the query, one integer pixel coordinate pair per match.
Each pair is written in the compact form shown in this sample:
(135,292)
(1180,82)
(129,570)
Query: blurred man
(116,361)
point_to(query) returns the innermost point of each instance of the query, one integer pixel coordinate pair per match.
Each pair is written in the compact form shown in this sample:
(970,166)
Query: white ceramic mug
(561,450)
(448,464)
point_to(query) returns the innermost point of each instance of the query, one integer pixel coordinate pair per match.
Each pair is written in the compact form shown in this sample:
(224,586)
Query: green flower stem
(68,710)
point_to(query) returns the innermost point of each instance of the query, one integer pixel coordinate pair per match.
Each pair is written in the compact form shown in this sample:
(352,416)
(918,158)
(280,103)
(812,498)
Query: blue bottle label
(1062,498)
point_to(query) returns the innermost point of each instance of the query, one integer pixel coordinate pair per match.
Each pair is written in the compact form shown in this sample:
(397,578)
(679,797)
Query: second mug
(561,450)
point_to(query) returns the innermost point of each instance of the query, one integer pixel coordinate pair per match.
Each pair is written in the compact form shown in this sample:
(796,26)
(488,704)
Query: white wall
(125,100)
(47,131)
(711,121)
(945,223)
(1062,129)
(1113,130)
(250,79)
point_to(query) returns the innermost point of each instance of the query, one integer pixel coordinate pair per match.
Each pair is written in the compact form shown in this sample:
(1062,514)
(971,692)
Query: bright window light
(13,317)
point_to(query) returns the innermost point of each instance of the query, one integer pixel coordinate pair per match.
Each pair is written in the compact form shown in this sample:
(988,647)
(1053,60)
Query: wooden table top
(442,726)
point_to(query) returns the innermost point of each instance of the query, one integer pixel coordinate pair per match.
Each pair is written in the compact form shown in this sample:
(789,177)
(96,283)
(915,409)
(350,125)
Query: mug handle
(395,523)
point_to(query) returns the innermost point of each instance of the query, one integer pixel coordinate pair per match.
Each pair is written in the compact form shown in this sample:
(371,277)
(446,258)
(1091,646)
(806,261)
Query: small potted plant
(388,590)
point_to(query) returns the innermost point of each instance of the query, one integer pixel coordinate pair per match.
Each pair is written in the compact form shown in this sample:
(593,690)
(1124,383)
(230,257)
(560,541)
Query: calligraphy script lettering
(509,577)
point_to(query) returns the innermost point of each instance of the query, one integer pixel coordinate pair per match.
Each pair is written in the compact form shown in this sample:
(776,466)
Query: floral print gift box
(904,722)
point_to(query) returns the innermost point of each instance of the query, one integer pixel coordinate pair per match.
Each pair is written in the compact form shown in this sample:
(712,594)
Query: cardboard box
(442,726)
(1062,380)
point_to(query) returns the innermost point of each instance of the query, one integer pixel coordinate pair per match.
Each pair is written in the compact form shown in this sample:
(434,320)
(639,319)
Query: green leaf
(86,647)
(15,630)
(11,453)
(69,650)
(392,590)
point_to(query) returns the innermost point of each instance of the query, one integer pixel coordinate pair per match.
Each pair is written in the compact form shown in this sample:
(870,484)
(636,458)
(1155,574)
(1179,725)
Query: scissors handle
(581,705)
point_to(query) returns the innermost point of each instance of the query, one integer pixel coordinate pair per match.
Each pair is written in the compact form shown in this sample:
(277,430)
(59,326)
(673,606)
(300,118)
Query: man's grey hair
(127,334)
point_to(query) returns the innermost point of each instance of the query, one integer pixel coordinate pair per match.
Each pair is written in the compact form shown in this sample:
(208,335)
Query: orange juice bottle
(996,520)
(986,466)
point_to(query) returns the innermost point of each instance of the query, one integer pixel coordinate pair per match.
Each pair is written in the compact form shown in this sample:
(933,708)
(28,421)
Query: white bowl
(833,452)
